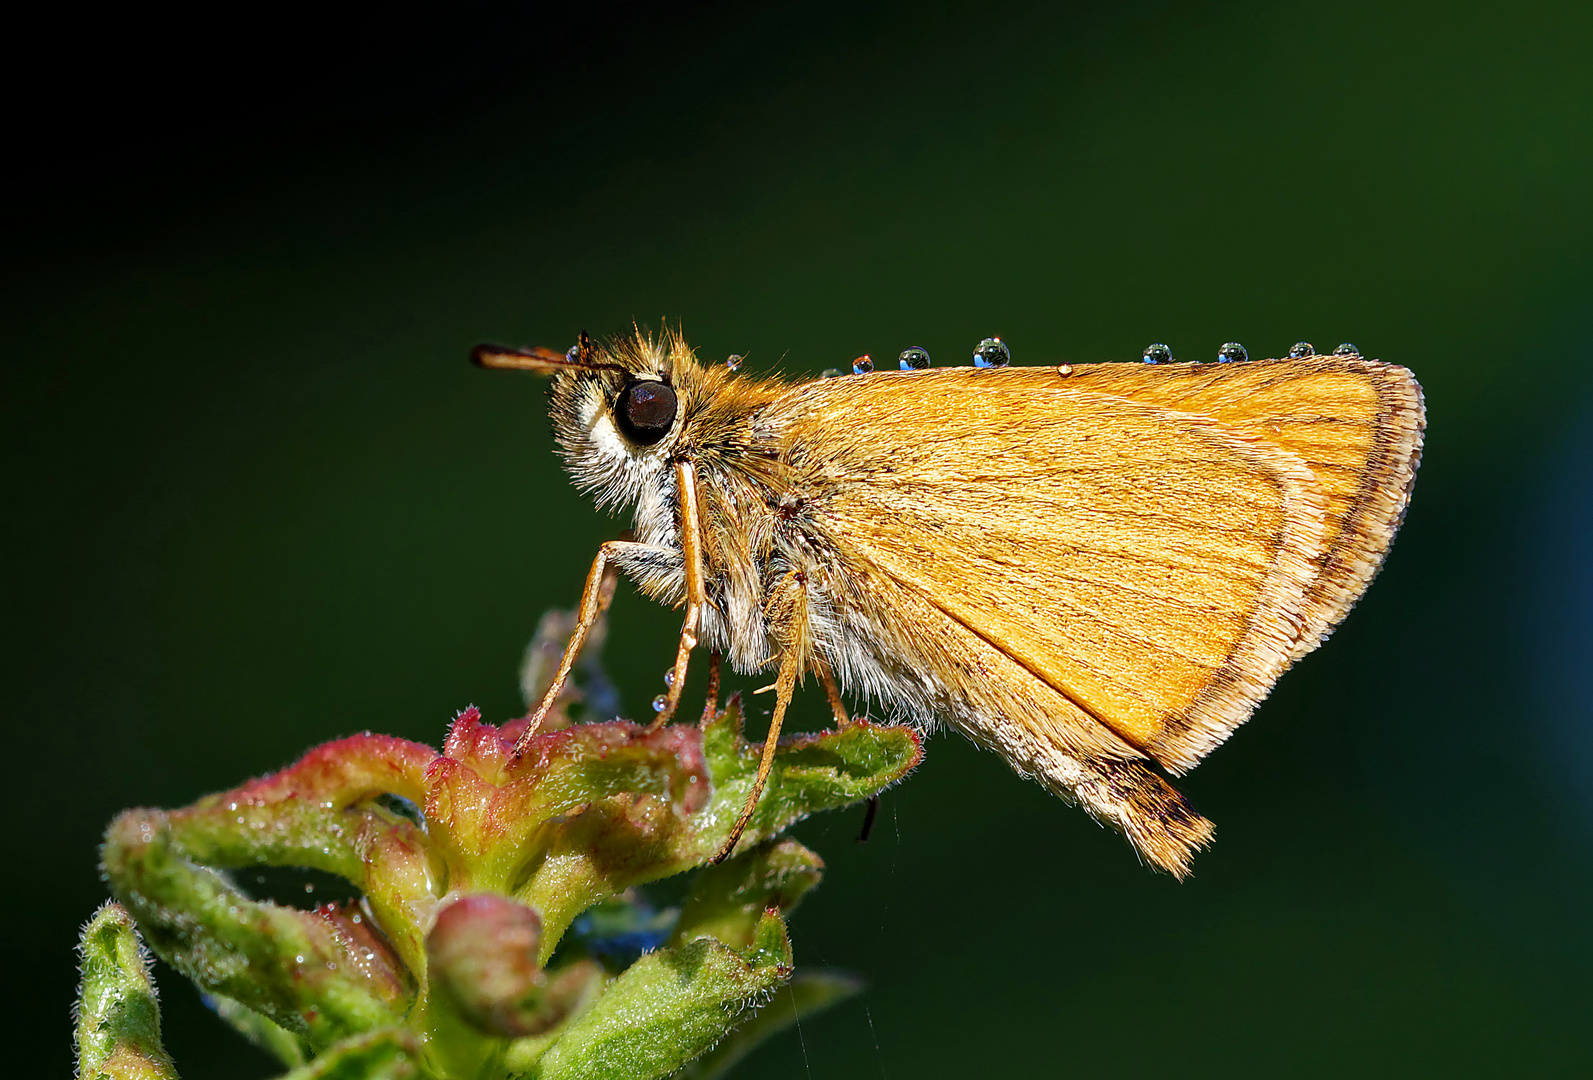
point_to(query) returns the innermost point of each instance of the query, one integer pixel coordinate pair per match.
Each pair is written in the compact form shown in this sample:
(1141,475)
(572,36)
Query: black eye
(646,411)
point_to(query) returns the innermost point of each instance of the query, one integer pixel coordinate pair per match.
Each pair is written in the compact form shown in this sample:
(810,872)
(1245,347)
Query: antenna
(539,360)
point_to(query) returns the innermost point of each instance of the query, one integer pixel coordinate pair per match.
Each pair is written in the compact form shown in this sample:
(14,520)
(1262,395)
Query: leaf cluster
(498,930)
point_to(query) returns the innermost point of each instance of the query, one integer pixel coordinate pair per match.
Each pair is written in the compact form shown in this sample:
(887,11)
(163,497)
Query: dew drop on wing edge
(992,352)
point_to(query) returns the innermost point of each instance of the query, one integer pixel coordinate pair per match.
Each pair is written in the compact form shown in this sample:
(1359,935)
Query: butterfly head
(618,408)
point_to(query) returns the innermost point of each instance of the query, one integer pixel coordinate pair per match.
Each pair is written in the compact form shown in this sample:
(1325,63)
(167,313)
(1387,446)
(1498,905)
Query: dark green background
(255,498)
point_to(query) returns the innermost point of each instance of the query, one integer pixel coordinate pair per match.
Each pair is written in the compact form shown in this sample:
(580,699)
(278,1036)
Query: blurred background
(256,498)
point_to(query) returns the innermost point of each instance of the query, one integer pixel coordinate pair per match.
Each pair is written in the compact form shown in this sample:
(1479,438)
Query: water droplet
(1158,354)
(233,806)
(863,365)
(1231,352)
(733,361)
(1346,349)
(831,373)
(298,959)
(992,352)
(913,358)
(309,887)
(669,677)
(1064,370)
(660,703)
(1302,348)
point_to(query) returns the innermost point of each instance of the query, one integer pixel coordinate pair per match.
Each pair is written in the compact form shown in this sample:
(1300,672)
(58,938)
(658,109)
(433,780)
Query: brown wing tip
(1165,828)
(1338,579)
(1154,816)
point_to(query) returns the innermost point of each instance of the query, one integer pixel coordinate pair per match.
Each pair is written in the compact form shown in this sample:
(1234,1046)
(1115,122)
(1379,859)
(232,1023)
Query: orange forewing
(1356,424)
(1157,544)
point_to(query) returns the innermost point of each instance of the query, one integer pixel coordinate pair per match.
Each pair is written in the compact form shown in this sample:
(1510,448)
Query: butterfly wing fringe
(1356,427)
(1156,818)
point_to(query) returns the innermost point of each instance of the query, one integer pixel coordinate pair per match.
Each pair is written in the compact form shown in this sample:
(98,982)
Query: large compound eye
(646,411)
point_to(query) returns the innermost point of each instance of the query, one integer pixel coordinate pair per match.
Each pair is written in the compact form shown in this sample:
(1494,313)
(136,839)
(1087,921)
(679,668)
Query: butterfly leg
(595,598)
(710,707)
(783,687)
(696,593)
(786,610)
(837,706)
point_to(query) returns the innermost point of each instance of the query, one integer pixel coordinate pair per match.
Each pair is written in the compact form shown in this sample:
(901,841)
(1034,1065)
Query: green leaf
(391,1054)
(630,840)
(807,993)
(319,813)
(118,1017)
(284,1045)
(668,1008)
(491,811)
(728,901)
(822,771)
(316,974)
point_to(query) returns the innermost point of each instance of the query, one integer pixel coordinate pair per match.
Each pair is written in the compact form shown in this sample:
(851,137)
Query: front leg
(696,590)
(594,598)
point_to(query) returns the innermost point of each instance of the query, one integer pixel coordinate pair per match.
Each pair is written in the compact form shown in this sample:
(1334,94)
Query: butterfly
(1098,571)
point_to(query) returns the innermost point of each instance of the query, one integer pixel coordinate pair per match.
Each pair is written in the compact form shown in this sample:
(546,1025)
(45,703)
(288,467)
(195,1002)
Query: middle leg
(787,610)
(837,706)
